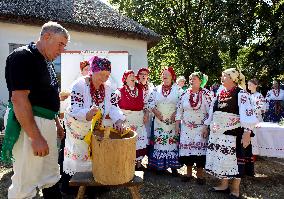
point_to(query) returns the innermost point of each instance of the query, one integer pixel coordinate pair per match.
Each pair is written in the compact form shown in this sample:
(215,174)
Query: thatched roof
(80,15)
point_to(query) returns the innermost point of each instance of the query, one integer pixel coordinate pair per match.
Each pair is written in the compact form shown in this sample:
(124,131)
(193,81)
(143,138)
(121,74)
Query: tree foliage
(210,35)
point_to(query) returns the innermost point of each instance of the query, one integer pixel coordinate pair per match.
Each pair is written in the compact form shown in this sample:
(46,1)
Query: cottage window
(13,46)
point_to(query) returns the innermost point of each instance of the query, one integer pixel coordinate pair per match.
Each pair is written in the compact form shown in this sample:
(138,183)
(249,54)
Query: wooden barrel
(113,158)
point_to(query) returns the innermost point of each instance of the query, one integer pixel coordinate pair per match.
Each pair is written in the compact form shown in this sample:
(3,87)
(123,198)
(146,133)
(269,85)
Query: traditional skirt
(135,118)
(275,111)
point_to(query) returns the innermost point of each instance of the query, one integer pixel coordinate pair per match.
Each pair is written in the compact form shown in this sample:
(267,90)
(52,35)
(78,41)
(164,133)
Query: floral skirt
(164,153)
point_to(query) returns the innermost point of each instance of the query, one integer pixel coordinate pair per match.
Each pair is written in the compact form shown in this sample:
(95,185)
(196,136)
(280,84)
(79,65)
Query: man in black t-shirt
(34,104)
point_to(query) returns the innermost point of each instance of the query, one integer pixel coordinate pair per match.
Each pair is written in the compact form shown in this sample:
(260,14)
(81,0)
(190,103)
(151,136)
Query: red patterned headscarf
(98,64)
(142,70)
(125,75)
(171,70)
(84,64)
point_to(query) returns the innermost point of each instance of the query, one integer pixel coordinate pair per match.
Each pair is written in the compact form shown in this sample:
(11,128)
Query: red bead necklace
(133,93)
(224,94)
(193,103)
(166,90)
(98,95)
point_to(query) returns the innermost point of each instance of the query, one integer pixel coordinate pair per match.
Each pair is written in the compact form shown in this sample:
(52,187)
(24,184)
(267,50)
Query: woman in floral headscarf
(192,111)
(89,94)
(130,100)
(163,102)
(231,120)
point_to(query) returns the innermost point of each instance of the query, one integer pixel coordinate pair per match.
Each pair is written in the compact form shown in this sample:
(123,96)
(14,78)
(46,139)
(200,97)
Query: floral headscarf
(203,78)
(98,64)
(236,76)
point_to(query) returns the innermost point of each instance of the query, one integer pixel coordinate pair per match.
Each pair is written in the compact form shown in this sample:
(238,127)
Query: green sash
(13,129)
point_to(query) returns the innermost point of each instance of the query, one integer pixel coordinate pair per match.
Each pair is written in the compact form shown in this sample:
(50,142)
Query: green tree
(210,35)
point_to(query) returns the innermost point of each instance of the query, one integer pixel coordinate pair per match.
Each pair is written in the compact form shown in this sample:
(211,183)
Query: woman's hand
(177,128)
(59,129)
(119,125)
(60,132)
(146,117)
(205,132)
(246,139)
(173,117)
(63,95)
(90,114)
(158,115)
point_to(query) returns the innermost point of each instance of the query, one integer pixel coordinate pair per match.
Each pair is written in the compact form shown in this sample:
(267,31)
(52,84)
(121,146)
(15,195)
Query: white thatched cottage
(92,24)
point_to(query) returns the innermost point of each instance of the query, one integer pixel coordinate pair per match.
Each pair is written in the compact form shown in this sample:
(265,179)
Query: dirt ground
(268,184)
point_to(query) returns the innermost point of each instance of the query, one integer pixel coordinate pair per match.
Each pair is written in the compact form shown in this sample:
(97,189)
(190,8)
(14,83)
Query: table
(85,179)
(268,140)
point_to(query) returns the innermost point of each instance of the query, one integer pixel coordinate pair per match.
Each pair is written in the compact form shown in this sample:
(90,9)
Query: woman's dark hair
(278,82)
(254,81)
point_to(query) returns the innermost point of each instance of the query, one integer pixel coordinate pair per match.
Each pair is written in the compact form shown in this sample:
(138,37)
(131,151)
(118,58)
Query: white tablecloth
(268,140)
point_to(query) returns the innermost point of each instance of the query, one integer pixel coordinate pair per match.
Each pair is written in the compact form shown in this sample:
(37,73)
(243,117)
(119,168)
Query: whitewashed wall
(23,34)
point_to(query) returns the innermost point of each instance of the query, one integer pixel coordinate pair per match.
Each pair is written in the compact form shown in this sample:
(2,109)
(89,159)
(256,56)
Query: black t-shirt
(27,69)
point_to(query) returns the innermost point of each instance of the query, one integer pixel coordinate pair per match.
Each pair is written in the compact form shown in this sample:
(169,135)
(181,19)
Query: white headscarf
(237,77)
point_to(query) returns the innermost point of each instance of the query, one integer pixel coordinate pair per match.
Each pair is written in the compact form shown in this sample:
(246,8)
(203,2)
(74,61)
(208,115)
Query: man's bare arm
(24,114)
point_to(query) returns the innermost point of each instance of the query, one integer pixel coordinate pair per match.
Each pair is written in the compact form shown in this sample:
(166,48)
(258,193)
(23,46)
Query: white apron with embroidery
(218,163)
(76,149)
(163,132)
(191,140)
(135,118)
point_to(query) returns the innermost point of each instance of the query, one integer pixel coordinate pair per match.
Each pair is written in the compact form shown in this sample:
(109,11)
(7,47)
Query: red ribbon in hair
(171,70)
(125,75)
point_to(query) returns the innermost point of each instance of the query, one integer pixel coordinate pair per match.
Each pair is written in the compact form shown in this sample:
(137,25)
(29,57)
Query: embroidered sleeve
(115,112)
(179,113)
(247,116)
(146,99)
(208,97)
(267,99)
(77,110)
(152,99)
(210,112)
(260,103)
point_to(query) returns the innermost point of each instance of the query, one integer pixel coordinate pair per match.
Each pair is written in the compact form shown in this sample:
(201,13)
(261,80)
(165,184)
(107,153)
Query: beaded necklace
(193,103)
(144,86)
(133,93)
(98,95)
(276,92)
(224,94)
(166,90)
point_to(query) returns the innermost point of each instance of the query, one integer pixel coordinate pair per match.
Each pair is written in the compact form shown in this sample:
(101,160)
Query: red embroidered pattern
(249,112)
(98,95)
